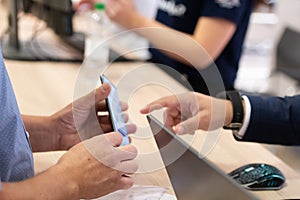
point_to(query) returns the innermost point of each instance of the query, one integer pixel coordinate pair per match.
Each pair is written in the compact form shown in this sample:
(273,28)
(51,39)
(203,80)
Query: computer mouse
(258,176)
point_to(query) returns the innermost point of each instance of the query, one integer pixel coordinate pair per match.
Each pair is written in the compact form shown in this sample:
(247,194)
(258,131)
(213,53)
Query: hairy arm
(90,169)
(39,129)
(48,185)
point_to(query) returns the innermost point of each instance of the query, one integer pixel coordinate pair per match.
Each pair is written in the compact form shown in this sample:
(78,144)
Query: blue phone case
(115,111)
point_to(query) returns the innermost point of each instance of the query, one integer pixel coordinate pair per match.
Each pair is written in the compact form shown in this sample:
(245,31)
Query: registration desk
(43,88)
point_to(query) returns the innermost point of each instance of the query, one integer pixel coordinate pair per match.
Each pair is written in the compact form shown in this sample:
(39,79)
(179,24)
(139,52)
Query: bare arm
(200,49)
(90,169)
(40,136)
(49,184)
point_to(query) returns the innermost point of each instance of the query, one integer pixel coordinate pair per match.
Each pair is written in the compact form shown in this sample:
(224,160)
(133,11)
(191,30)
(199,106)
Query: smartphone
(115,111)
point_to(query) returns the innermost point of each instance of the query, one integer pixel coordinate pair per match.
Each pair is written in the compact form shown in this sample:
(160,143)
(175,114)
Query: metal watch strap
(238,110)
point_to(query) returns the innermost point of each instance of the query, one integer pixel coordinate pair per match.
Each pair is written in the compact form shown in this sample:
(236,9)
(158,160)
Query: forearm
(177,45)
(39,128)
(53,184)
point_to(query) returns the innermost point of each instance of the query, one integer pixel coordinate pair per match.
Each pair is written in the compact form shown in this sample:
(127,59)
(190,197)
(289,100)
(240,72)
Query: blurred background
(270,63)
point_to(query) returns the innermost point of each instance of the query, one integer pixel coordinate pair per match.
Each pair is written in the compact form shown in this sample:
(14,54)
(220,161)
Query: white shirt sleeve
(247,114)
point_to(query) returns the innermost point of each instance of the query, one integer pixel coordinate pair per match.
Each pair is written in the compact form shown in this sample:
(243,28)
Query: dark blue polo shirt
(183,16)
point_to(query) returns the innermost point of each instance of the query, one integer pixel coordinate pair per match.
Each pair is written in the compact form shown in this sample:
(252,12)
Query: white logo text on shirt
(228,3)
(172,9)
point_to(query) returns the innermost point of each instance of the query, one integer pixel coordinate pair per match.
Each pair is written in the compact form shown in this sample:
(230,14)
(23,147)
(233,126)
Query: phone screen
(115,111)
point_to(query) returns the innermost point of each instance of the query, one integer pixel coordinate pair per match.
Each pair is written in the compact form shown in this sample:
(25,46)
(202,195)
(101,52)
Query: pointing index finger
(158,104)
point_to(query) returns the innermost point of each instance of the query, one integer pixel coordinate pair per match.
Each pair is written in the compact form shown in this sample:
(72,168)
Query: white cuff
(247,114)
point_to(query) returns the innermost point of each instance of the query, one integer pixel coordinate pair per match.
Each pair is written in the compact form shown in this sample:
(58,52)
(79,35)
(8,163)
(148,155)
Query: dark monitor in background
(58,15)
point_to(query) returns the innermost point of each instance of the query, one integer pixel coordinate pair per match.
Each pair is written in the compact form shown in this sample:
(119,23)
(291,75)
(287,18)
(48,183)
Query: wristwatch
(238,110)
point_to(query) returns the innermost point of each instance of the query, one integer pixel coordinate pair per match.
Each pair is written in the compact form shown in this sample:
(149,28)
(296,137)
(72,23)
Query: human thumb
(88,101)
(188,126)
(102,92)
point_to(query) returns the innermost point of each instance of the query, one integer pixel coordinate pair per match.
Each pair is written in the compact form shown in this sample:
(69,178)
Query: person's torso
(183,16)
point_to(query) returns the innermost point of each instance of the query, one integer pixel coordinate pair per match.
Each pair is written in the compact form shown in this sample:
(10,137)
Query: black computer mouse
(258,176)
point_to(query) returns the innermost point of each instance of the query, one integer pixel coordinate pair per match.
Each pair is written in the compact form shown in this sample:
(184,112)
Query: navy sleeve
(232,10)
(274,120)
